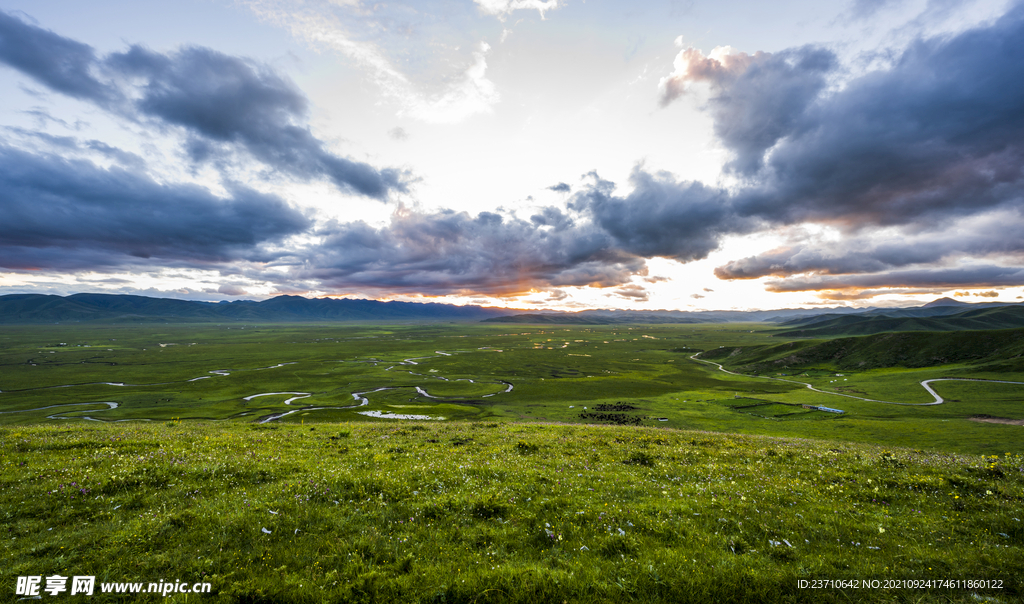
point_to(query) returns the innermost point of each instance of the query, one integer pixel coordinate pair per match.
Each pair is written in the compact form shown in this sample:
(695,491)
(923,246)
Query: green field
(246,457)
(502,512)
(485,372)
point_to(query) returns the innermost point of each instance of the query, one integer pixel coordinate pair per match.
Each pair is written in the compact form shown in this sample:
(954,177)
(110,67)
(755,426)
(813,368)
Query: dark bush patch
(640,458)
(525,448)
(618,419)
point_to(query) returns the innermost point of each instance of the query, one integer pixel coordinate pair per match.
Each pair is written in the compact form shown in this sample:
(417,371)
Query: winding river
(360,397)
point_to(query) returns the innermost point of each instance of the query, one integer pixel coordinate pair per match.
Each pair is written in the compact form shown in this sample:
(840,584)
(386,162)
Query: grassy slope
(995,350)
(501,513)
(1003,317)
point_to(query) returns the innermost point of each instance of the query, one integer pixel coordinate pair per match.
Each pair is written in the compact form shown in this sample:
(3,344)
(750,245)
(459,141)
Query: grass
(502,512)
(516,496)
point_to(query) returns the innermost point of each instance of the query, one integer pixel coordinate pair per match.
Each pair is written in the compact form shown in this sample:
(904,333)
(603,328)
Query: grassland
(508,495)
(502,512)
(464,372)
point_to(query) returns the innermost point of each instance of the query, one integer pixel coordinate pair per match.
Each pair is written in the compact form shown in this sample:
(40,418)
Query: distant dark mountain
(107,308)
(561,319)
(600,318)
(945,302)
(799,322)
(934,318)
(613,317)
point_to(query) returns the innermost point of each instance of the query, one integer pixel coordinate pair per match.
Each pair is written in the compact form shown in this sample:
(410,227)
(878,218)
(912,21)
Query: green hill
(999,317)
(989,350)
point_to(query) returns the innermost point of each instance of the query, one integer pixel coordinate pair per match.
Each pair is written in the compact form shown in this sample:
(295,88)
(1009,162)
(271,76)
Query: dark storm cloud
(755,99)
(552,217)
(449,252)
(225,99)
(927,147)
(60,63)
(222,102)
(938,136)
(60,213)
(601,240)
(125,158)
(661,216)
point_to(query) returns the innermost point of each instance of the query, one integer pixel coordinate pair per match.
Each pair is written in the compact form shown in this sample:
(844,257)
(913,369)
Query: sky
(539,154)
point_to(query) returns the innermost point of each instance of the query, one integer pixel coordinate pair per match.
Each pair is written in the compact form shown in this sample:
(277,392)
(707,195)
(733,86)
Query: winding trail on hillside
(938,399)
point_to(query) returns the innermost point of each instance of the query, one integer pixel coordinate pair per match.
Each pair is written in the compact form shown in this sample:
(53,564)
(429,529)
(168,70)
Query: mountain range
(944,314)
(108,308)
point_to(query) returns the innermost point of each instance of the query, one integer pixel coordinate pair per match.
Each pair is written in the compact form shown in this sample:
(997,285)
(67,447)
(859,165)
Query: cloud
(867,294)
(696,296)
(755,99)
(936,137)
(503,8)
(59,63)
(864,9)
(914,169)
(222,102)
(600,239)
(935,278)
(633,292)
(379,41)
(888,256)
(471,93)
(71,214)
(225,99)
(450,252)
(662,216)
(918,167)
(398,133)
(231,290)
(72,146)
(992,234)
(552,217)
(989,294)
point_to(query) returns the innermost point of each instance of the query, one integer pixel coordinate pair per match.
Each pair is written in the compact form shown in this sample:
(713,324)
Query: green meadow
(277,462)
(323,373)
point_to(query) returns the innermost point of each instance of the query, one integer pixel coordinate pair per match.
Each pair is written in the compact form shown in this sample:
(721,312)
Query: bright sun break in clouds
(514,152)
